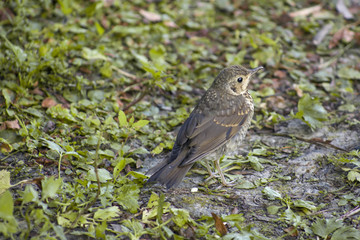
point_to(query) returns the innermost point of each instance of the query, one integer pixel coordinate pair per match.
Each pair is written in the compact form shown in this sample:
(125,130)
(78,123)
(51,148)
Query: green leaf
(255,163)
(139,124)
(346,233)
(137,175)
(107,213)
(8,95)
(158,149)
(140,150)
(93,54)
(311,111)
(8,223)
(104,175)
(245,184)
(271,194)
(160,207)
(34,112)
(353,175)
(180,216)
(106,70)
(273,209)
(53,146)
(119,167)
(235,59)
(50,186)
(19,53)
(65,6)
(348,73)
(127,196)
(30,194)
(99,29)
(6,205)
(323,227)
(60,113)
(304,204)
(122,119)
(234,218)
(96,95)
(4,181)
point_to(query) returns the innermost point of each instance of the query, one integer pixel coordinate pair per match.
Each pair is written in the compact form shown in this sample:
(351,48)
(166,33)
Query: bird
(217,125)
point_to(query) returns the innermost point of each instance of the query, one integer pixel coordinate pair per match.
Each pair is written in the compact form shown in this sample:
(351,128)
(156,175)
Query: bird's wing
(203,133)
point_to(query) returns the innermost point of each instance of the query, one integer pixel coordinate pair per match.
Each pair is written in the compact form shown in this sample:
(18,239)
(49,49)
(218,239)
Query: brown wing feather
(206,129)
(215,132)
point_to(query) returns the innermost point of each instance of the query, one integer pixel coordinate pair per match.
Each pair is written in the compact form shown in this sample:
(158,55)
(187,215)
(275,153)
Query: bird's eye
(240,79)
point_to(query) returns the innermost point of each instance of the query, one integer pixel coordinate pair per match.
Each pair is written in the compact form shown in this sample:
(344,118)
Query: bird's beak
(255,70)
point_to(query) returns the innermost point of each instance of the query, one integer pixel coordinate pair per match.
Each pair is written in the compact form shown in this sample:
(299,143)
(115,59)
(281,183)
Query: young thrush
(216,125)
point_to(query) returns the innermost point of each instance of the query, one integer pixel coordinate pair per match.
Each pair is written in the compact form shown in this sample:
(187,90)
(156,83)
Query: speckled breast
(232,146)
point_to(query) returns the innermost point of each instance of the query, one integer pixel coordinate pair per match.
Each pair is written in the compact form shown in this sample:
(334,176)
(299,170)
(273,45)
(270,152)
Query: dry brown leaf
(280,74)
(37,91)
(298,91)
(348,35)
(5,147)
(305,11)
(292,231)
(276,102)
(219,224)
(343,34)
(170,24)
(48,103)
(12,124)
(150,16)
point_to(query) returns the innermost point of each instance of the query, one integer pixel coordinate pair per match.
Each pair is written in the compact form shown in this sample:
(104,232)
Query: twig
(9,155)
(334,58)
(126,74)
(350,213)
(135,101)
(306,11)
(320,143)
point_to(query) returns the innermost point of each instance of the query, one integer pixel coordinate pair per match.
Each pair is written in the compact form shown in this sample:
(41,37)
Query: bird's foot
(226,184)
(212,175)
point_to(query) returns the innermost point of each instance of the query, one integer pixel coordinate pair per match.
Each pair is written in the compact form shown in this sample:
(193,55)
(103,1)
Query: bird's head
(234,79)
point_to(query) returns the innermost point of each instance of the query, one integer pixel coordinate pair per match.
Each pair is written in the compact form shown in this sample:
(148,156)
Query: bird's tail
(168,174)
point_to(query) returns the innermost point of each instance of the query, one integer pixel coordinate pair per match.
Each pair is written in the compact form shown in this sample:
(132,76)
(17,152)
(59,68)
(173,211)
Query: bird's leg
(208,168)
(223,180)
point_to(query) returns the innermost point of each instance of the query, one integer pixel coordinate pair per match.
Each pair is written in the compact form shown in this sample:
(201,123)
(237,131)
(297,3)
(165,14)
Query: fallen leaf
(276,102)
(37,91)
(12,124)
(280,74)
(292,231)
(319,37)
(341,7)
(298,90)
(48,102)
(343,34)
(219,224)
(305,11)
(170,24)
(348,35)
(150,16)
